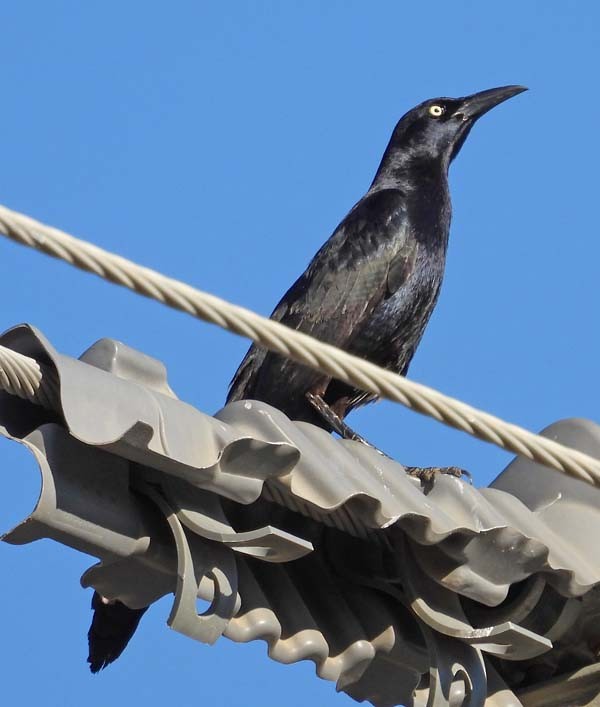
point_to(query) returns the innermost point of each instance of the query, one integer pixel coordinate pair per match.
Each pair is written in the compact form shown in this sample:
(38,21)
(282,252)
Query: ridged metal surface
(477,542)
(403,584)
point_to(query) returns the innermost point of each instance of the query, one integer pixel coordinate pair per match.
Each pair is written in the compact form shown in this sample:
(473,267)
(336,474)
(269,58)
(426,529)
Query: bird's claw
(427,474)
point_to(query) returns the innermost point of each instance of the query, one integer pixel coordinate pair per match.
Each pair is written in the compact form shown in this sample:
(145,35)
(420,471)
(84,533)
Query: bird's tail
(112,627)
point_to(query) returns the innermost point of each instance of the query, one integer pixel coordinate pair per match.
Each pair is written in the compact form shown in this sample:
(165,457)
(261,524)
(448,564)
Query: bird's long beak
(473,107)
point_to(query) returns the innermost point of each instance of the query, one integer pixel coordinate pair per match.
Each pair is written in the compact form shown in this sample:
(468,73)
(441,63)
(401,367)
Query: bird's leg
(335,421)
(427,473)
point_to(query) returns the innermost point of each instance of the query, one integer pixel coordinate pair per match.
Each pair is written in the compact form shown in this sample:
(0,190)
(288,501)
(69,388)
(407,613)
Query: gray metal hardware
(323,548)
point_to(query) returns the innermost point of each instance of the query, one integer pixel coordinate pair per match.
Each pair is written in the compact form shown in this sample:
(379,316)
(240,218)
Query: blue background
(221,143)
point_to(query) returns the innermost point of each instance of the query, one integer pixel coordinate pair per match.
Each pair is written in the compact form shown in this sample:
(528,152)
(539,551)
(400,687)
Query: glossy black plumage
(370,290)
(372,287)
(113,624)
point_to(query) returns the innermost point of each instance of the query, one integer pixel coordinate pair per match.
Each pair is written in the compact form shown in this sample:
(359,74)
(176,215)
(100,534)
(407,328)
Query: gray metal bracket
(398,595)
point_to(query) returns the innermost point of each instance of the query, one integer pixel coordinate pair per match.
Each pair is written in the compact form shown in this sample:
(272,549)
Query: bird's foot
(427,474)
(336,423)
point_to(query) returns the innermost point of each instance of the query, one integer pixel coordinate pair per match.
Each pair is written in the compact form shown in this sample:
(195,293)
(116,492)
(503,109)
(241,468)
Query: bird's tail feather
(112,627)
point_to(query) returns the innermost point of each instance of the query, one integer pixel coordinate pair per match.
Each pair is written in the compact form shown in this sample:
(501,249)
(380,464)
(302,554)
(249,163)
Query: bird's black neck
(409,173)
(424,184)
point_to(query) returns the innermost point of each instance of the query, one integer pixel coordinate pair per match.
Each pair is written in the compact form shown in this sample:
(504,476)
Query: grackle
(369,290)
(372,286)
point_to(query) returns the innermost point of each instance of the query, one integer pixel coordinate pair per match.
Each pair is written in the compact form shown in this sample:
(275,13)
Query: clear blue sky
(221,143)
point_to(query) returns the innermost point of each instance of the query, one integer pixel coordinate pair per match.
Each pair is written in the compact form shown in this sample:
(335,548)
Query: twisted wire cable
(24,377)
(297,346)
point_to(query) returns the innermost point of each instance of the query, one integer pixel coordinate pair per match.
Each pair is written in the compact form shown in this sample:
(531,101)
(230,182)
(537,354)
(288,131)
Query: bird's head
(436,129)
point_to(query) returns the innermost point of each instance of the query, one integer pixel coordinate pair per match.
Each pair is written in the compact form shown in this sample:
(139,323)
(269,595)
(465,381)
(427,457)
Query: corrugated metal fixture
(439,594)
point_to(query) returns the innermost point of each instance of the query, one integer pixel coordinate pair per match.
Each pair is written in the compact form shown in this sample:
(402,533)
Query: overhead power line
(293,344)
(24,377)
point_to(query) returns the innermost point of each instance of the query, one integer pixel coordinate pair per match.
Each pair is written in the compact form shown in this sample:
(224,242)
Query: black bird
(370,290)
(113,624)
(373,285)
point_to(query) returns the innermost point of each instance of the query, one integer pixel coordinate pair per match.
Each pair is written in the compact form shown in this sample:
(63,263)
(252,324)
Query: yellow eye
(436,111)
